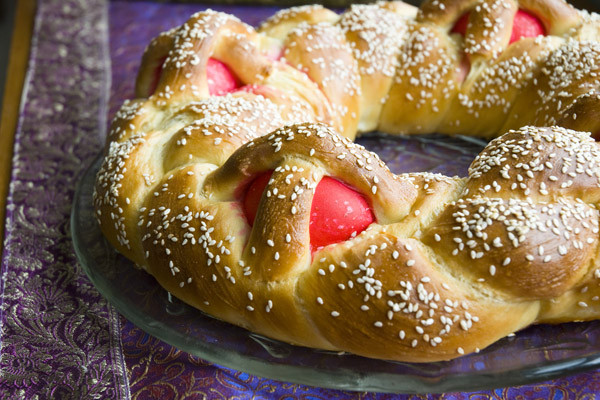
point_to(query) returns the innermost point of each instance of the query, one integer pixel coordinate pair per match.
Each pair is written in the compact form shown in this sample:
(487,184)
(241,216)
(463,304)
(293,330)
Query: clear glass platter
(535,354)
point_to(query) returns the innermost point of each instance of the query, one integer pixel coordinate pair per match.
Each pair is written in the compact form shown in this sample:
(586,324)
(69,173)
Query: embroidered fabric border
(60,339)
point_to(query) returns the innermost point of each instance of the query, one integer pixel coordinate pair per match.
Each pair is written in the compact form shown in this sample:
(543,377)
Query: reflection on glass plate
(535,354)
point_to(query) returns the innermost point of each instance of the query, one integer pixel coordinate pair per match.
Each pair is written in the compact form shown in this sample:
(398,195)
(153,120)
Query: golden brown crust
(382,296)
(568,73)
(152,60)
(517,247)
(480,103)
(284,21)
(376,52)
(545,164)
(583,114)
(446,256)
(322,53)
(425,83)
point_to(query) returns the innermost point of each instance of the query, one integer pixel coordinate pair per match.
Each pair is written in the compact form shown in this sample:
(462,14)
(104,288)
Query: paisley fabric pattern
(158,371)
(60,339)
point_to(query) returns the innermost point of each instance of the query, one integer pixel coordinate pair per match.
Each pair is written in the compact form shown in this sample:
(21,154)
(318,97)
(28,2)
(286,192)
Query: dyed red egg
(524,25)
(337,210)
(253,195)
(220,78)
(461,25)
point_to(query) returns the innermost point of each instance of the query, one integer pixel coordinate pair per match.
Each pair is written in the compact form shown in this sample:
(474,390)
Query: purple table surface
(59,338)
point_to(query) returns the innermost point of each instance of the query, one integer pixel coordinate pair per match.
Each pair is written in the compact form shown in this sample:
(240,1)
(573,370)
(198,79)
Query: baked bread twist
(449,265)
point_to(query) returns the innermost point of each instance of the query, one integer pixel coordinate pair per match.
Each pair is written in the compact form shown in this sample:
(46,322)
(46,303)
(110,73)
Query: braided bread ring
(446,257)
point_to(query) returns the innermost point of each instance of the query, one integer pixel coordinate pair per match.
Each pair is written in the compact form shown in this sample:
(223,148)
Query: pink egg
(220,78)
(253,195)
(337,211)
(524,25)
(461,25)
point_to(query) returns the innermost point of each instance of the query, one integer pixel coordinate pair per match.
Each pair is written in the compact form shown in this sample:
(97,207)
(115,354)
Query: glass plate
(535,354)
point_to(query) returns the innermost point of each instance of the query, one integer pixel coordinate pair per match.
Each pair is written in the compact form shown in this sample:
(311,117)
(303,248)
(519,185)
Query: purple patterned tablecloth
(59,338)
